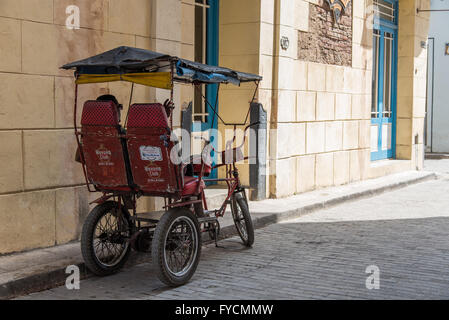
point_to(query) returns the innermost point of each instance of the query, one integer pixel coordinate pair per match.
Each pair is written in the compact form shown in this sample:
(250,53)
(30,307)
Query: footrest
(143,219)
(151,217)
(207,219)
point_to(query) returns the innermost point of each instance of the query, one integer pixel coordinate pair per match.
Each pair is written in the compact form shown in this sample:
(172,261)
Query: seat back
(149,146)
(103,149)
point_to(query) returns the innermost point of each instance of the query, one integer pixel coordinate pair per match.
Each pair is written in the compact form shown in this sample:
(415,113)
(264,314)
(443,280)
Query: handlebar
(208,141)
(244,132)
(230,142)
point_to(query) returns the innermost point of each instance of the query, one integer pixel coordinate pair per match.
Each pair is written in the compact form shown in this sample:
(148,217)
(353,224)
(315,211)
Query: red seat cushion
(196,165)
(191,186)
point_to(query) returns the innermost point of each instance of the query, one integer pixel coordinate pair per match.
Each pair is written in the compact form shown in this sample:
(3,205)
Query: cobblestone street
(322,255)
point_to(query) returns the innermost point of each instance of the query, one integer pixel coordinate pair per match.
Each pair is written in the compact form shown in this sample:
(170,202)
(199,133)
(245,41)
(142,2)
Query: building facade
(344,95)
(437,120)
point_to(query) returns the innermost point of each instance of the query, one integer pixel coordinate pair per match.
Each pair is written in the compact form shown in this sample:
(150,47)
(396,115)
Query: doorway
(383,105)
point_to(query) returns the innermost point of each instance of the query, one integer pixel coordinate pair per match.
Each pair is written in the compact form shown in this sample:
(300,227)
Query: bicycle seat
(191,186)
(194,167)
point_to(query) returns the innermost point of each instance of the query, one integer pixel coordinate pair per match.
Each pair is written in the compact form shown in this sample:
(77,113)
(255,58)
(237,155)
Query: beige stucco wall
(42,199)
(239,49)
(412,79)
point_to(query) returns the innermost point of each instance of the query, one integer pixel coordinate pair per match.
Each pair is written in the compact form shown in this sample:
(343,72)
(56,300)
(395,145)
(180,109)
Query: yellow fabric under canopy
(154,79)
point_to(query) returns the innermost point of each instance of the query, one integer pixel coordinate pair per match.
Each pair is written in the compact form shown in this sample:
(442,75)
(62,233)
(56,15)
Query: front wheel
(176,247)
(242,219)
(104,239)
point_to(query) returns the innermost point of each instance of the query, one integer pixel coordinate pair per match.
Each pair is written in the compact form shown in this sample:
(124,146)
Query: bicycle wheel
(104,240)
(242,219)
(176,247)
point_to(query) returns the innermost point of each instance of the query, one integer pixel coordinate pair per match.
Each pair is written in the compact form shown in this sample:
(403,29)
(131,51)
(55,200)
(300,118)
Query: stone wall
(319,112)
(238,49)
(43,201)
(327,41)
(412,80)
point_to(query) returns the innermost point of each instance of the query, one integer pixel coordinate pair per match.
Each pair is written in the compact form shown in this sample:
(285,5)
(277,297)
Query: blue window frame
(206,51)
(384,84)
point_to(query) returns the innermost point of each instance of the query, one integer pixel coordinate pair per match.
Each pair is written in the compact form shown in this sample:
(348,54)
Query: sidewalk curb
(291,214)
(53,278)
(436,156)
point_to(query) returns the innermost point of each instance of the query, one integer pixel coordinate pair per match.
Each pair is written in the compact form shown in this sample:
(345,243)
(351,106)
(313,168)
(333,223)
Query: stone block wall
(319,104)
(239,45)
(326,41)
(43,201)
(412,80)
(320,99)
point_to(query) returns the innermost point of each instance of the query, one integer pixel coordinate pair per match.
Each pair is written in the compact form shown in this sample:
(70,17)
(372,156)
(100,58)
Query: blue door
(384,87)
(206,51)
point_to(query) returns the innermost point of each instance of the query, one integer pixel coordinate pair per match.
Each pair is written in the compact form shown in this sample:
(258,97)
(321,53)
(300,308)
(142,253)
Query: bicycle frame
(232,173)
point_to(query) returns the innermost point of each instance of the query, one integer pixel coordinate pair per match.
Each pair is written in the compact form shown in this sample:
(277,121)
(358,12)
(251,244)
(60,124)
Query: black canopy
(131,60)
(211,70)
(119,59)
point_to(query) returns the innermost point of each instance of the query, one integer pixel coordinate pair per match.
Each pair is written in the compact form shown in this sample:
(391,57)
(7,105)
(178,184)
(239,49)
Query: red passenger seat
(149,145)
(103,148)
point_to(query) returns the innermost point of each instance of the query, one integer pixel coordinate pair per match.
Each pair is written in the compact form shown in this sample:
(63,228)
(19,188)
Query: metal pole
(431,10)
(258,149)
(172,68)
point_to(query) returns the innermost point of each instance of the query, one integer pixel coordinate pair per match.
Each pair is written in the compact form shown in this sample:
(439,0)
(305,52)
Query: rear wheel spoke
(108,247)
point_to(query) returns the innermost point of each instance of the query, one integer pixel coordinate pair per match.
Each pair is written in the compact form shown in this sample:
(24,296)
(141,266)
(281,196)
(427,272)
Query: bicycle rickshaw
(136,160)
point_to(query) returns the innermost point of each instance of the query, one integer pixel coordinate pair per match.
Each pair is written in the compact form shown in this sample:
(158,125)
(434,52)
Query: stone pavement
(42,269)
(323,255)
(440,166)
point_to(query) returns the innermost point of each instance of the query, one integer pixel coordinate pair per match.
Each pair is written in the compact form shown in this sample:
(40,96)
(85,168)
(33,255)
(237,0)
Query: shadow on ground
(301,260)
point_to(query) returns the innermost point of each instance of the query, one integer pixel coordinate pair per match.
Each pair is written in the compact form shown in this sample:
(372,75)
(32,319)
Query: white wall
(438,117)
